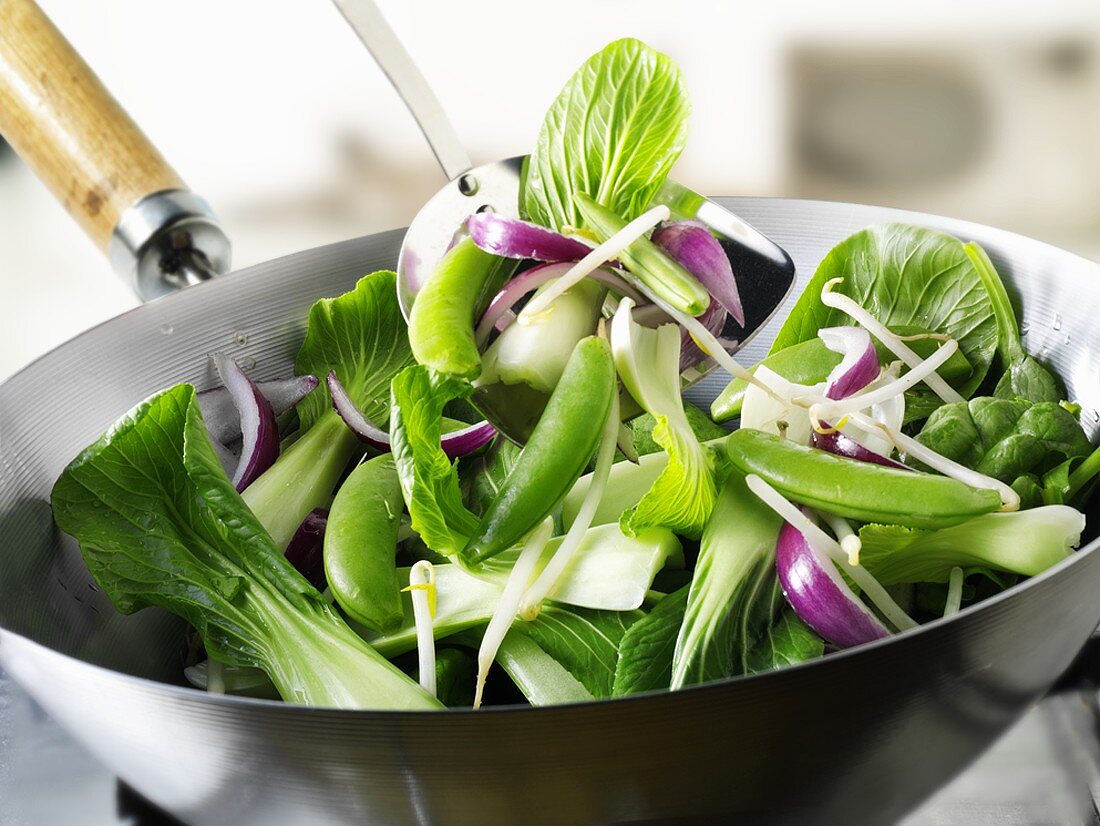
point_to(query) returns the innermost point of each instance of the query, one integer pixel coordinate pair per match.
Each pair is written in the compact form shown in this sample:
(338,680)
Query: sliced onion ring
(820,596)
(842,445)
(700,253)
(305,550)
(456,443)
(512,238)
(259,430)
(859,365)
(220,414)
(531,280)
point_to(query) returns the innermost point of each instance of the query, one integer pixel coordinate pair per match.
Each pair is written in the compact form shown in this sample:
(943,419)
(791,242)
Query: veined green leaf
(787,641)
(614,133)
(645,653)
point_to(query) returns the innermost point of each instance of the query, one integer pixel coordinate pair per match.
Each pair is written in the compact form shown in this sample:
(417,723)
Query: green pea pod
(645,260)
(441,325)
(810,362)
(360,543)
(559,450)
(857,490)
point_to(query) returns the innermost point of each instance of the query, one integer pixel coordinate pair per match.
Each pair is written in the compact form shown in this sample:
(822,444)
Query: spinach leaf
(159,523)
(613,133)
(1024,377)
(363,337)
(645,653)
(701,425)
(485,475)
(903,275)
(429,479)
(583,641)
(1004,438)
(787,641)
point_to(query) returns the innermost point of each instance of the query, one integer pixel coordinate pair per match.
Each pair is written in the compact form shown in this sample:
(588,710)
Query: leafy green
(648,363)
(159,523)
(363,337)
(429,479)
(583,641)
(541,678)
(645,653)
(483,477)
(733,590)
(613,132)
(1005,438)
(903,275)
(787,641)
(1024,542)
(455,670)
(1024,377)
(700,423)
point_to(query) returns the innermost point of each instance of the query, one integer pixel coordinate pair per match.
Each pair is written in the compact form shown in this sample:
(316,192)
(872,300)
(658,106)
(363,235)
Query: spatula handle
(80,142)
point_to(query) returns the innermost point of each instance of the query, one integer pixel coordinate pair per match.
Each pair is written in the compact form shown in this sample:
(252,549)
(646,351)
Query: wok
(858,737)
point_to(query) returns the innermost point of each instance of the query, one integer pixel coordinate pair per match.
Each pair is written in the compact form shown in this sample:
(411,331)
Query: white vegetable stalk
(548,579)
(824,544)
(849,540)
(1010,500)
(954,592)
(422,588)
(839,301)
(833,409)
(506,609)
(607,251)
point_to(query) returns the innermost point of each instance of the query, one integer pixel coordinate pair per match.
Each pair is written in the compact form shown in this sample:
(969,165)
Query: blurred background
(277,115)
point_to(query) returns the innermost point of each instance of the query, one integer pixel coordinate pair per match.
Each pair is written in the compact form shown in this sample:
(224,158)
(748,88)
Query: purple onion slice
(820,596)
(859,365)
(700,253)
(259,430)
(306,549)
(221,416)
(512,238)
(455,444)
(836,442)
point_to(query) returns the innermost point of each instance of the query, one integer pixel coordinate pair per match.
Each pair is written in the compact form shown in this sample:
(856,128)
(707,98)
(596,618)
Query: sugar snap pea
(441,325)
(557,453)
(360,543)
(857,490)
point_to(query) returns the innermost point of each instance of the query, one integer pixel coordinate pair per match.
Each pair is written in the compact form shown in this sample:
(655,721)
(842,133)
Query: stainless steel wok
(858,737)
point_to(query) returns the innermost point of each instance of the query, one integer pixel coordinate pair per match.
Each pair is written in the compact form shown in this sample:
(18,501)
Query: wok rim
(192,694)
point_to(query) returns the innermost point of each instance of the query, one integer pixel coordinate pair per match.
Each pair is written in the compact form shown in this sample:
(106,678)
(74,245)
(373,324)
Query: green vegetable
(360,541)
(613,133)
(1024,377)
(647,262)
(455,670)
(810,362)
(700,423)
(788,641)
(857,490)
(159,523)
(1004,438)
(558,451)
(542,679)
(362,336)
(441,325)
(734,574)
(903,275)
(626,485)
(645,653)
(1025,542)
(648,363)
(483,477)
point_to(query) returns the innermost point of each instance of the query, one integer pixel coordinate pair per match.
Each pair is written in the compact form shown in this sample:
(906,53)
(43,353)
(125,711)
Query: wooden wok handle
(74,135)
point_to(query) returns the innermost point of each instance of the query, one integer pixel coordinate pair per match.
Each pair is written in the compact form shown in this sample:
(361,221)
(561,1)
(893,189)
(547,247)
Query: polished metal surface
(858,737)
(168,240)
(383,44)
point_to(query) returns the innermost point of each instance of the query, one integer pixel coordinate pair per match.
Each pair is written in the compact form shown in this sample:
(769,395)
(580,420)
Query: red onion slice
(531,280)
(842,445)
(455,444)
(512,238)
(259,430)
(859,365)
(700,253)
(820,596)
(306,548)
(220,414)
